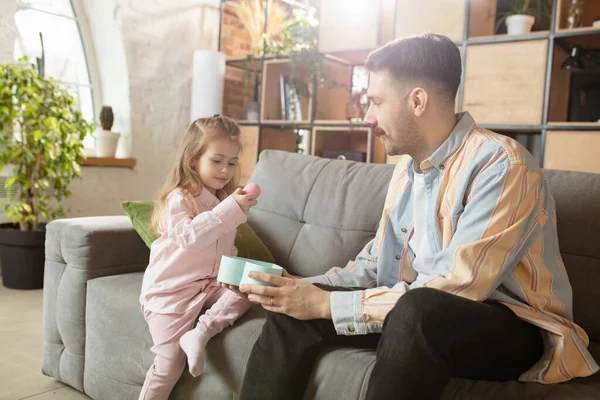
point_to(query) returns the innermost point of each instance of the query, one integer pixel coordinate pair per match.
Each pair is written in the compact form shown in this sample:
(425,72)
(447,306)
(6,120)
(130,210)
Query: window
(65,58)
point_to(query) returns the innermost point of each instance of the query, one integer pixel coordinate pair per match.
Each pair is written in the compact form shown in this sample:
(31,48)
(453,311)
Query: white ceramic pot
(106,143)
(519,24)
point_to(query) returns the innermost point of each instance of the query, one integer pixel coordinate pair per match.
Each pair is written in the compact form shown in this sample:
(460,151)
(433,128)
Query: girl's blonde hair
(193,145)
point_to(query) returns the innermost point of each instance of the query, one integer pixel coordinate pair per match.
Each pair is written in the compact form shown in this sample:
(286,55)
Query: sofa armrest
(78,250)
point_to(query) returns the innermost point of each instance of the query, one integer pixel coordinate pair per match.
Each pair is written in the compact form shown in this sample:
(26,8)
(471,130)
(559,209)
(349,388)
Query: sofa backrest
(317,213)
(314,213)
(577,196)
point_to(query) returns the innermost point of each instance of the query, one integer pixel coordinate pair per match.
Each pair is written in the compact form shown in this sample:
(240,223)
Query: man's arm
(494,232)
(361,272)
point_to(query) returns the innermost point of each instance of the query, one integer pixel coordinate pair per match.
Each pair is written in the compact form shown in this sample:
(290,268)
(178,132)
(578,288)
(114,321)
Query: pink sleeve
(198,232)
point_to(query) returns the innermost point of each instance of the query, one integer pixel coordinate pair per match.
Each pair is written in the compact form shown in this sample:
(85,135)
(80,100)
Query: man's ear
(419,101)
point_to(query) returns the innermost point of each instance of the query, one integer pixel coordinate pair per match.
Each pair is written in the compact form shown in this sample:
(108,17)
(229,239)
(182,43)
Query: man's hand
(236,289)
(291,296)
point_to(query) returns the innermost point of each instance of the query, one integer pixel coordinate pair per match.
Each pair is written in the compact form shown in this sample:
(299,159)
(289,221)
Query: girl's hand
(245,201)
(234,289)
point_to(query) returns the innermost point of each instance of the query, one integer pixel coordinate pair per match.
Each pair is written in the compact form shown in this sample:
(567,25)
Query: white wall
(159,38)
(7,29)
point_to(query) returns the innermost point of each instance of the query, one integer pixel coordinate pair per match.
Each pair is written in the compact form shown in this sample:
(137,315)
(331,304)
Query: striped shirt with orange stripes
(492,229)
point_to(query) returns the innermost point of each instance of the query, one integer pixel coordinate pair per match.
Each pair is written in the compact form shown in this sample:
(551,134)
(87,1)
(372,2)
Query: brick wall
(240,86)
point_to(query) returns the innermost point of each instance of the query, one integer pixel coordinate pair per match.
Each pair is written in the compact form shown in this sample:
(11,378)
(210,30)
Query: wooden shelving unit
(511,84)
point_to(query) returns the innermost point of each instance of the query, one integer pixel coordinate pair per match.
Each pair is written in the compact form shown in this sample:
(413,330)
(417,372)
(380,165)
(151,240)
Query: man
(464,277)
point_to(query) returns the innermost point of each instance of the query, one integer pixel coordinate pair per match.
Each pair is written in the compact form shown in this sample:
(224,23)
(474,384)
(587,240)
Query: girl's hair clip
(216,115)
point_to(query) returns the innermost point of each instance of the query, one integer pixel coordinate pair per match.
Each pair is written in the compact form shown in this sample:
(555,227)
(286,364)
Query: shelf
(503,38)
(285,124)
(278,139)
(584,126)
(589,41)
(246,122)
(442,17)
(249,138)
(271,98)
(254,65)
(587,30)
(109,162)
(504,83)
(355,57)
(336,140)
(572,150)
(341,123)
(534,129)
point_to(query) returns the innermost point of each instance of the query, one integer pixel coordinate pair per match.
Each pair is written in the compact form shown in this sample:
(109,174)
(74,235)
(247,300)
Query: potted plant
(106,141)
(41,143)
(522,15)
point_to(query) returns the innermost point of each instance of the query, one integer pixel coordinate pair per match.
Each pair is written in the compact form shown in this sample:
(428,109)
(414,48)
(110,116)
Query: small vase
(575,12)
(106,143)
(519,24)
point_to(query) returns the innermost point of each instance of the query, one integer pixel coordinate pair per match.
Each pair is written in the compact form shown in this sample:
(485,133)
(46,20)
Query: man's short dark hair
(433,58)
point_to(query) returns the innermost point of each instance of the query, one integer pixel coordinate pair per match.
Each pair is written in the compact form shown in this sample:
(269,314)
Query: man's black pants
(427,338)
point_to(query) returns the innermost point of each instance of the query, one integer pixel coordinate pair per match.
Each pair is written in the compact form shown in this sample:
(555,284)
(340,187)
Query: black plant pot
(22,257)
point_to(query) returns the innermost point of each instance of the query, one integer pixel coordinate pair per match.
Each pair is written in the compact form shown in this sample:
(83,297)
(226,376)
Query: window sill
(109,162)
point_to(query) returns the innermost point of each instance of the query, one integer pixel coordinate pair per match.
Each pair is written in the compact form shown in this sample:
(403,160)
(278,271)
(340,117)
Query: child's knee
(170,366)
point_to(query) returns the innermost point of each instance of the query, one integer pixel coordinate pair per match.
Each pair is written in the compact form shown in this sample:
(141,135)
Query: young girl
(197,218)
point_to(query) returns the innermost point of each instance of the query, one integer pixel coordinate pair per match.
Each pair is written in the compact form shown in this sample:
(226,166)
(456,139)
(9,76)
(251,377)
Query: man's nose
(369,119)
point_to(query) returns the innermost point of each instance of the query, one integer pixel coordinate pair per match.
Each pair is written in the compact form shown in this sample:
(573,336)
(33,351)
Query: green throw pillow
(247,242)
(140,213)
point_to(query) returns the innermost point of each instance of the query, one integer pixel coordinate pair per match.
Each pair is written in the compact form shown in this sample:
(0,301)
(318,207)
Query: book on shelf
(291,109)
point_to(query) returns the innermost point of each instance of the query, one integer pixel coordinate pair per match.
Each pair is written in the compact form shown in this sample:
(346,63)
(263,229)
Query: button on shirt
(490,222)
(185,259)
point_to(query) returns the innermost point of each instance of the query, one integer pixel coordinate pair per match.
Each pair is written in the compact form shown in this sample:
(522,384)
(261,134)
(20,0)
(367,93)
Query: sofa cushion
(118,342)
(577,196)
(118,355)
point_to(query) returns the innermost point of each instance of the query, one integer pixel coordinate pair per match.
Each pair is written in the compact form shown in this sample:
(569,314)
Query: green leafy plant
(539,9)
(297,41)
(41,137)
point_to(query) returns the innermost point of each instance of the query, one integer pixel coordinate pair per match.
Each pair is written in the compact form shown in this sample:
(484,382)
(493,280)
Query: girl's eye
(216,161)
(232,165)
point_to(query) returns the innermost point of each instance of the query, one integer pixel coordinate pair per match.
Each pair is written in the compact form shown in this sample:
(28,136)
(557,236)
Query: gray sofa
(313,214)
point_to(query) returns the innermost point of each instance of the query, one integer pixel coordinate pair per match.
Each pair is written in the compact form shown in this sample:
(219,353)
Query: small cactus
(107,118)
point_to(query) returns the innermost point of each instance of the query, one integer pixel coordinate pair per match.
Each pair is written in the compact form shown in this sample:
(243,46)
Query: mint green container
(233,269)
(269,268)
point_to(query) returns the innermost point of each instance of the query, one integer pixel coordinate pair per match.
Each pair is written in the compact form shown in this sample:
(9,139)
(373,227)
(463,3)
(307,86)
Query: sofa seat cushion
(118,343)
(118,346)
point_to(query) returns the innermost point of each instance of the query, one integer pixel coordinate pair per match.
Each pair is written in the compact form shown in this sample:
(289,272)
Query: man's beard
(406,141)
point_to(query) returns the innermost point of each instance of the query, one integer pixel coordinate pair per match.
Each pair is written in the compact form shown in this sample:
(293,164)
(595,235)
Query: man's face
(390,114)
